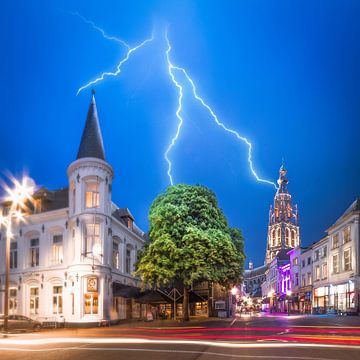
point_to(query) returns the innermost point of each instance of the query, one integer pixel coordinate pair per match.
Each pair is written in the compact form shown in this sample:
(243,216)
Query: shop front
(321,300)
(305,305)
(342,297)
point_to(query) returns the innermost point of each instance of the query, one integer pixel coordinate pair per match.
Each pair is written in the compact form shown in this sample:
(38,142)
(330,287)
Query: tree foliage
(190,240)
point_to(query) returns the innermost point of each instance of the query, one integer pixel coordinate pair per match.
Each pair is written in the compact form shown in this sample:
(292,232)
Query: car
(20,322)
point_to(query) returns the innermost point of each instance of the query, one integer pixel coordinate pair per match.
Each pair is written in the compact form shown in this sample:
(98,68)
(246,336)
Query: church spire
(91,144)
(283,229)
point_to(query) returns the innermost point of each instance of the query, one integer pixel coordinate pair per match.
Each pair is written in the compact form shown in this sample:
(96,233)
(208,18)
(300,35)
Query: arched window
(293,237)
(92,194)
(287,237)
(278,237)
(273,237)
(115,254)
(128,256)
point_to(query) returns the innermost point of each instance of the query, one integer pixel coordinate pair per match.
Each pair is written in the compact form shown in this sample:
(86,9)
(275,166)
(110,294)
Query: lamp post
(233,291)
(288,295)
(17,197)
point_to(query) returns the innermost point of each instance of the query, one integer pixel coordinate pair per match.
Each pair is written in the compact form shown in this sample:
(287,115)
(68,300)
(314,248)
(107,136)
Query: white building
(341,291)
(72,260)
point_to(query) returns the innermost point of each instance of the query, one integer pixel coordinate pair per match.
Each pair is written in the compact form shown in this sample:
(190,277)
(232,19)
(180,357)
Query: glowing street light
(18,196)
(234,290)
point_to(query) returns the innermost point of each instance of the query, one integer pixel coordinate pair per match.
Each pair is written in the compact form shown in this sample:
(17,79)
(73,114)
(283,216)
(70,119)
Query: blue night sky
(284,74)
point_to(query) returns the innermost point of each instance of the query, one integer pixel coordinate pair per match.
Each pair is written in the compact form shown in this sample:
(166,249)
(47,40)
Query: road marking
(190,352)
(233,322)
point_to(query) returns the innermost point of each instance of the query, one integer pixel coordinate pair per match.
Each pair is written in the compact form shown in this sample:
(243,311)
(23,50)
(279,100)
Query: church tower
(283,229)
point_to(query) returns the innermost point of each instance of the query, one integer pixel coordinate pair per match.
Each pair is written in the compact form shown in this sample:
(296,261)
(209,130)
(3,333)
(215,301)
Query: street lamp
(288,295)
(18,196)
(233,292)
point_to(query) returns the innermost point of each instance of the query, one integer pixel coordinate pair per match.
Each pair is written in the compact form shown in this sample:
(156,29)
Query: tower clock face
(92,284)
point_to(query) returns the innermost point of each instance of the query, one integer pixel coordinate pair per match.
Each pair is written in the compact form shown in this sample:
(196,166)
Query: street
(248,337)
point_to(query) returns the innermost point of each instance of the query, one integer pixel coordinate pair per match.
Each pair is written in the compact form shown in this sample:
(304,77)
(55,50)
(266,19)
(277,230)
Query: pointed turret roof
(91,144)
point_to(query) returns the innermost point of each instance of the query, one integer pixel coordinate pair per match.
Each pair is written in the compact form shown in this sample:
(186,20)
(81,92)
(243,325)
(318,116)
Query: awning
(153,297)
(193,298)
(125,291)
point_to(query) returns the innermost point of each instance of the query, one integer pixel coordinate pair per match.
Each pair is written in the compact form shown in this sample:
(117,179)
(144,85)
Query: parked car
(20,322)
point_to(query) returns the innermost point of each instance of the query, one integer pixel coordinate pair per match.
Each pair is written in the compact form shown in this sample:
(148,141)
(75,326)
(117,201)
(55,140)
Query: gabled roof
(52,199)
(91,144)
(354,207)
(122,214)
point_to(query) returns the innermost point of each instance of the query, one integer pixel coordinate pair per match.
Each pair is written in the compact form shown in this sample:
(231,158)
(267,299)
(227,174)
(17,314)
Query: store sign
(92,284)
(220,305)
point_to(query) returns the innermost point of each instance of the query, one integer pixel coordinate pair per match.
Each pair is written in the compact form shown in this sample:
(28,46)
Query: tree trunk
(186,304)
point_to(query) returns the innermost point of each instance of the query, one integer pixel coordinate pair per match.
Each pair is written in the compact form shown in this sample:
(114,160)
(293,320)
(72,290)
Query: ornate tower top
(283,230)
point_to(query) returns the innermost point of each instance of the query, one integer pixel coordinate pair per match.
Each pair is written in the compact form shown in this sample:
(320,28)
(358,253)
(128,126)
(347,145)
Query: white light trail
(172,67)
(116,340)
(130,50)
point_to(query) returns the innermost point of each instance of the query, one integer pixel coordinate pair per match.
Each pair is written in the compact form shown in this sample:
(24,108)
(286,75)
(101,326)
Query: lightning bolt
(171,69)
(130,51)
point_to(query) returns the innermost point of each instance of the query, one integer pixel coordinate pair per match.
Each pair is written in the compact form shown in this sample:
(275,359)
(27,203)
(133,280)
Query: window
(92,195)
(324,251)
(12,300)
(317,272)
(303,263)
(92,237)
(91,303)
(335,264)
(57,249)
(347,236)
(316,255)
(347,259)
(13,255)
(303,280)
(295,261)
(34,252)
(34,301)
(278,237)
(324,270)
(287,237)
(309,278)
(74,199)
(293,242)
(309,260)
(57,300)
(296,279)
(335,241)
(115,255)
(128,260)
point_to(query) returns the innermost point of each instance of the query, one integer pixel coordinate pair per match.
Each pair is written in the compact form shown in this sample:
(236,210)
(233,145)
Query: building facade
(330,269)
(73,258)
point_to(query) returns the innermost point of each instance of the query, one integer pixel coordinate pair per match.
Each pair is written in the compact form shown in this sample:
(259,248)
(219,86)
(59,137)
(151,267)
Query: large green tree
(190,241)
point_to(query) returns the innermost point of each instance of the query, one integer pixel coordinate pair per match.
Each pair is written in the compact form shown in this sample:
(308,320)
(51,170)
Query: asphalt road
(269,337)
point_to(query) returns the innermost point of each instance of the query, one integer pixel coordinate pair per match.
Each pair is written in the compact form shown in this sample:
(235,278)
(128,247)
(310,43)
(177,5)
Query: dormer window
(92,195)
(130,223)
